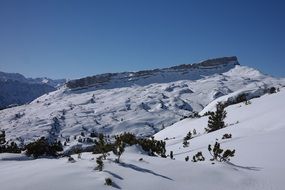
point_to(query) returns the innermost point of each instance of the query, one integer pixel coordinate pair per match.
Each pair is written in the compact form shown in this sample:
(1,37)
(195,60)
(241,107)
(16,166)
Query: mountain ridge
(184,71)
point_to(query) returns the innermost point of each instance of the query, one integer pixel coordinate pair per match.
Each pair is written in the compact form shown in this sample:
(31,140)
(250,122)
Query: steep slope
(258,138)
(139,107)
(15,89)
(258,132)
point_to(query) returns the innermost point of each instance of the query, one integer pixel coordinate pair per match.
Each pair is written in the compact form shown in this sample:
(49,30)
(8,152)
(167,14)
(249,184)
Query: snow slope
(258,138)
(143,107)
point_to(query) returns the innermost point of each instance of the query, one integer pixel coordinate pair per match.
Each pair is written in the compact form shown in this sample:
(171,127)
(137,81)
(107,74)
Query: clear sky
(75,38)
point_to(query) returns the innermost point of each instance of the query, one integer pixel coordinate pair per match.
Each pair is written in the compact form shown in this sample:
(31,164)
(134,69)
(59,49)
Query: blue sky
(71,39)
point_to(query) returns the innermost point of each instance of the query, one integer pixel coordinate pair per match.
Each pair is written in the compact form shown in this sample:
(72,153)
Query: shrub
(12,148)
(94,134)
(108,181)
(171,155)
(127,138)
(100,163)
(185,142)
(272,90)
(194,132)
(119,148)
(70,159)
(187,158)
(102,146)
(198,157)
(153,146)
(227,136)
(216,119)
(42,147)
(6,147)
(219,154)
(188,136)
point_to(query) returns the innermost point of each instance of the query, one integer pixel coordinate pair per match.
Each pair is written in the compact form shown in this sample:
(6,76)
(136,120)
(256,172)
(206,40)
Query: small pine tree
(100,163)
(216,119)
(118,150)
(187,158)
(188,136)
(108,182)
(102,146)
(171,155)
(194,132)
(198,157)
(185,142)
(219,154)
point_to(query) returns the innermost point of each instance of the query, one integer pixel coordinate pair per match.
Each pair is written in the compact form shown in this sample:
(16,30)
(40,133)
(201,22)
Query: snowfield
(258,131)
(143,108)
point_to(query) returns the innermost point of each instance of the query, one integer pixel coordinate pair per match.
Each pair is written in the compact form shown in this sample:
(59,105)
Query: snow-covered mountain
(139,102)
(15,89)
(257,131)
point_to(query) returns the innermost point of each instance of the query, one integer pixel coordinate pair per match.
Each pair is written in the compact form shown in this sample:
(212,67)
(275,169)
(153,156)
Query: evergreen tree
(119,148)
(216,119)
(187,158)
(171,154)
(102,146)
(100,163)
(185,142)
(220,154)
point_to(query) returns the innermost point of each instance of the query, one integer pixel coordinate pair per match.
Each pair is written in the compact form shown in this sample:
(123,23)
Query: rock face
(182,72)
(15,89)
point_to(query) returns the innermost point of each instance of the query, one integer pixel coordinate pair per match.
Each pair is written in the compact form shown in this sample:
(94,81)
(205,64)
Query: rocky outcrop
(181,72)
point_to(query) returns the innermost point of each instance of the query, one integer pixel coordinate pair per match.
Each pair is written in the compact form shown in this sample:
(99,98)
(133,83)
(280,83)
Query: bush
(12,148)
(216,119)
(272,90)
(108,181)
(42,147)
(153,146)
(187,158)
(227,136)
(171,155)
(127,138)
(198,157)
(185,142)
(219,154)
(102,147)
(100,163)
(119,148)
(6,147)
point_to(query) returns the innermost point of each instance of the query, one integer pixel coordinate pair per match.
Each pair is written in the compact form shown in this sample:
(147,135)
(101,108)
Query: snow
(143,108)
(258,131)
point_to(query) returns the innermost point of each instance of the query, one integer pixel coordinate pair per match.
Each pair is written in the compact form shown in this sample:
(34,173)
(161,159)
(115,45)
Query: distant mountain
(141,102)
(15,89)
